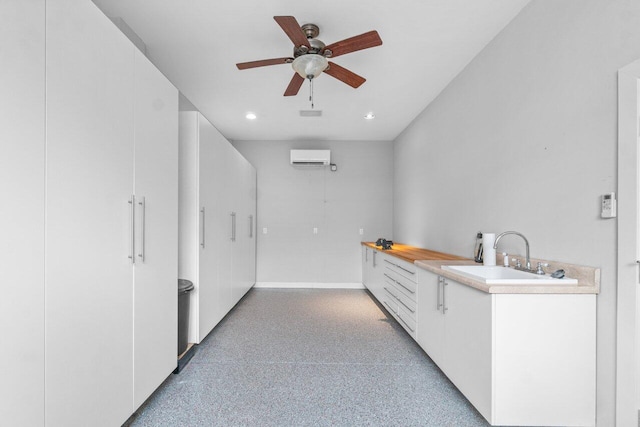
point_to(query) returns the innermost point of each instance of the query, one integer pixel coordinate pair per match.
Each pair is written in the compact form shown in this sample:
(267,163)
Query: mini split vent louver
(310,157)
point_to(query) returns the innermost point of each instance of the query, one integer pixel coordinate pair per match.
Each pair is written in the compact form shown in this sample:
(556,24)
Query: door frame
(628,230)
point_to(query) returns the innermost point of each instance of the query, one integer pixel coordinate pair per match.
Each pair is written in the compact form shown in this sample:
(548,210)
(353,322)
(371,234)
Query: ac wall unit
(310,157)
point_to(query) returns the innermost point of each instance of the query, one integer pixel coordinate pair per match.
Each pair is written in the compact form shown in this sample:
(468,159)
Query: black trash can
(184,288)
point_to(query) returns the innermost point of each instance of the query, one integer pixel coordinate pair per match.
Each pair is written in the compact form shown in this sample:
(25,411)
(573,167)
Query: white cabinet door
(156,190)
(468,342)
(366,261)
(544,360)
(251,193)
(210,304)
(88,276)
(429,317)
(225,185)
(245,234)
(22,144)
(377,274)
(240,178)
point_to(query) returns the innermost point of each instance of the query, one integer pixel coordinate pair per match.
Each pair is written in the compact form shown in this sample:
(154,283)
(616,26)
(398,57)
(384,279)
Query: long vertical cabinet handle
(251,226)
(202,219)
(143,216)
(374,258)
(233,226)
(439,303)
(444,296)
(132,226)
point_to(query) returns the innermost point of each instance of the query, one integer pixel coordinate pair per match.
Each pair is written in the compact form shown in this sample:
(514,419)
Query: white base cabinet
(454,328)
(520,359)
(103,253)
(373,272)
(393,283)
(399,291)
(217,249)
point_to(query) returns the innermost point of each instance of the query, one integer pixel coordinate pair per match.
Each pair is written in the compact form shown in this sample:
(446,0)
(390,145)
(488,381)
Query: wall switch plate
(361,231)
(608,206)
(315,230)
(264,230)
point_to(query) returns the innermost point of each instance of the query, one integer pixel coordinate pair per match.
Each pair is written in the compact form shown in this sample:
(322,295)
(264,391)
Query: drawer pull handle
(399,300)
(406,306)
(142,225)
(390,308)
(399,283)
(202,238)
(413,292)
(444,297)
(408,271)
(400,267)
(132,220)
(406,324)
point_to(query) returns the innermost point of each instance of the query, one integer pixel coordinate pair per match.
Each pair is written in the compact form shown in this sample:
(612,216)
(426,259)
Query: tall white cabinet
(217,222)
(156,191)
(96,308)
(88,277)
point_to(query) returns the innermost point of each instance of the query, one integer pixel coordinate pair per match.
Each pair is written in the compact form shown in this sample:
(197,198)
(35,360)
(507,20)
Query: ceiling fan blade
(344,75)
(293,30)
(363,41)
(263,63)
(294,85)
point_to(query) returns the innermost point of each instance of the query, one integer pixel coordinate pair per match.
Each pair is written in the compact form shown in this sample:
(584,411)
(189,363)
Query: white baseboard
(308,285)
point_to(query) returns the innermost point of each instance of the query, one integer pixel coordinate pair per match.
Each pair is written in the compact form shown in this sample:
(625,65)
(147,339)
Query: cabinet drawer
(401,298)
(389,301)
(404,317)
(408,286)
(401,267)
(406,320)
(407,303)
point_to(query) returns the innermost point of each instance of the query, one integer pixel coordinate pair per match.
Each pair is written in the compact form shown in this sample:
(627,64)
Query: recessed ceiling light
(370,116)
(251,116)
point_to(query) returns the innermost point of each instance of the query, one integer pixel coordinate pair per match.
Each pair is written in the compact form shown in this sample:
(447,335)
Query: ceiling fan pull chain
(311,92)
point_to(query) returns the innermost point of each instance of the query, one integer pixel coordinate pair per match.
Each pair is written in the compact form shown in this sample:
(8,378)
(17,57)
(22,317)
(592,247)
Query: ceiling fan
(310,54)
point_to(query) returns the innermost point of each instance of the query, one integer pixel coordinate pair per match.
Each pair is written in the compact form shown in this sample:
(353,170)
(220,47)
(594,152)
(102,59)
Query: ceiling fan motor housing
(317,46)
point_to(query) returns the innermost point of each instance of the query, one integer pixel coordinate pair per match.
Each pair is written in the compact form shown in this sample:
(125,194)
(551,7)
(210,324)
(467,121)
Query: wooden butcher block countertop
(411,253)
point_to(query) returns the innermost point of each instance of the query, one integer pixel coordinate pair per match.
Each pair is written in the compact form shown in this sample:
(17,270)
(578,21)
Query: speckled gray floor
(308,357)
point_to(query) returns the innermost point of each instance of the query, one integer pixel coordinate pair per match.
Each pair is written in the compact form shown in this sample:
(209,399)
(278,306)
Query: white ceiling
(426,43)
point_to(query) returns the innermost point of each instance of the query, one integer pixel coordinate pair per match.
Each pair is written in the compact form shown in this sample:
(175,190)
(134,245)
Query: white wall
(293,200)
(525,139)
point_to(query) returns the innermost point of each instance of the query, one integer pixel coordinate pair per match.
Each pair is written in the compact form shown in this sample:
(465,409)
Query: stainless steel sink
(498,275)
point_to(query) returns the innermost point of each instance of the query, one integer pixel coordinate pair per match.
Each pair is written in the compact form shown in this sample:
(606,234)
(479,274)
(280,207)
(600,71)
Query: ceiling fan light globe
(310,66)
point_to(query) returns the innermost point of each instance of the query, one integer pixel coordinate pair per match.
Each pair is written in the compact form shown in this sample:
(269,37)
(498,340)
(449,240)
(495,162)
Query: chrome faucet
(526,242)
